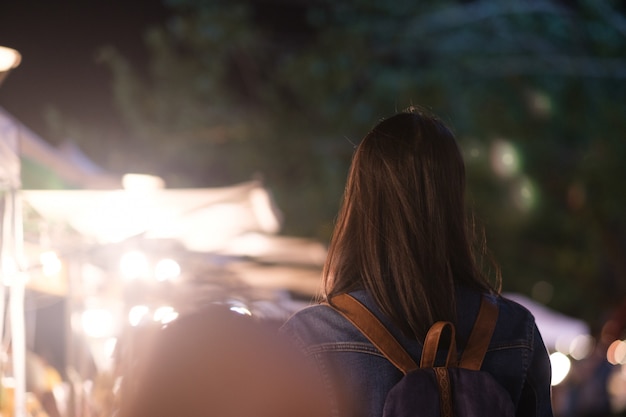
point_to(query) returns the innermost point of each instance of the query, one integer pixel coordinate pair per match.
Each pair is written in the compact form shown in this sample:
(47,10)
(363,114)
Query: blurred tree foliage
(284,89)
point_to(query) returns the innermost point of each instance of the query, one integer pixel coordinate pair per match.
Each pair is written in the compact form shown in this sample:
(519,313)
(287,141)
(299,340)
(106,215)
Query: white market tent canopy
(557,329)
(204,220)
(237,221)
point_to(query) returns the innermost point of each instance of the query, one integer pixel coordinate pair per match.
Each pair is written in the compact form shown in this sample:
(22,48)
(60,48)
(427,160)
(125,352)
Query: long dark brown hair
(403,232)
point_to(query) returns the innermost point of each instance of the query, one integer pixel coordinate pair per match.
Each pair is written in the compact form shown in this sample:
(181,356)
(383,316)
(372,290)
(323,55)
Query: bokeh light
(616,353)
(50,263)
(581,347)
(166,270)
(165,314)
(504,158)
(137,314)
(560,367)
(133,265)
(9,58)
(97,322)
(524,194)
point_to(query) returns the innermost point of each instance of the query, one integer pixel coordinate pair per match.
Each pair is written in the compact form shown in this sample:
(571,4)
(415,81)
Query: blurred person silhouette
(406,248)
(218,363)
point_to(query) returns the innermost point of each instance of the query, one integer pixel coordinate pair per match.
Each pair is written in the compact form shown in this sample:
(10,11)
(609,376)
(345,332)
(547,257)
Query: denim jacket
(348,363)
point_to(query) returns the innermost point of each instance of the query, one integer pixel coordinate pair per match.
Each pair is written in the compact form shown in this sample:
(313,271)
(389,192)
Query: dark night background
(58,42)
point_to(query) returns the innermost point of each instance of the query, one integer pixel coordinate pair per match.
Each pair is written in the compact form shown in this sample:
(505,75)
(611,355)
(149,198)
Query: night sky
(58,42)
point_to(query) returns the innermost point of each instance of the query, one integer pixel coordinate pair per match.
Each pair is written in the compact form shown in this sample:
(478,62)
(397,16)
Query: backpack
(458,388)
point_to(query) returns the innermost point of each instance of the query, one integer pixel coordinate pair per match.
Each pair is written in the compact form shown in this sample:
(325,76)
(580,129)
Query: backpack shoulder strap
(368,324)
(479,338)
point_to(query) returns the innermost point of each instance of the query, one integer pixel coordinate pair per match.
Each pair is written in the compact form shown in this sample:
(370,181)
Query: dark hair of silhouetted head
(403,232)
(216,363)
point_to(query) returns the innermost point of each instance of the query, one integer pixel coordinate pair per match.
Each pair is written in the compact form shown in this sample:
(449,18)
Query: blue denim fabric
(516,358)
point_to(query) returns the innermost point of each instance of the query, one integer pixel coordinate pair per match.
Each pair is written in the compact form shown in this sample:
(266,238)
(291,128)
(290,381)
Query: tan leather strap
(377,333)
(374,330)
(480,337)
(431,345)
(445,391)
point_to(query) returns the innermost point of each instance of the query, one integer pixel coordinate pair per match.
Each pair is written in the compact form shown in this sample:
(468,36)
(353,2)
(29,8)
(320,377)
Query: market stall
(144,254)
(87,255)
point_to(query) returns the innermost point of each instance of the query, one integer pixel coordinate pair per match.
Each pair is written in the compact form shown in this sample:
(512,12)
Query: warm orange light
(9,58)
(616,353)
